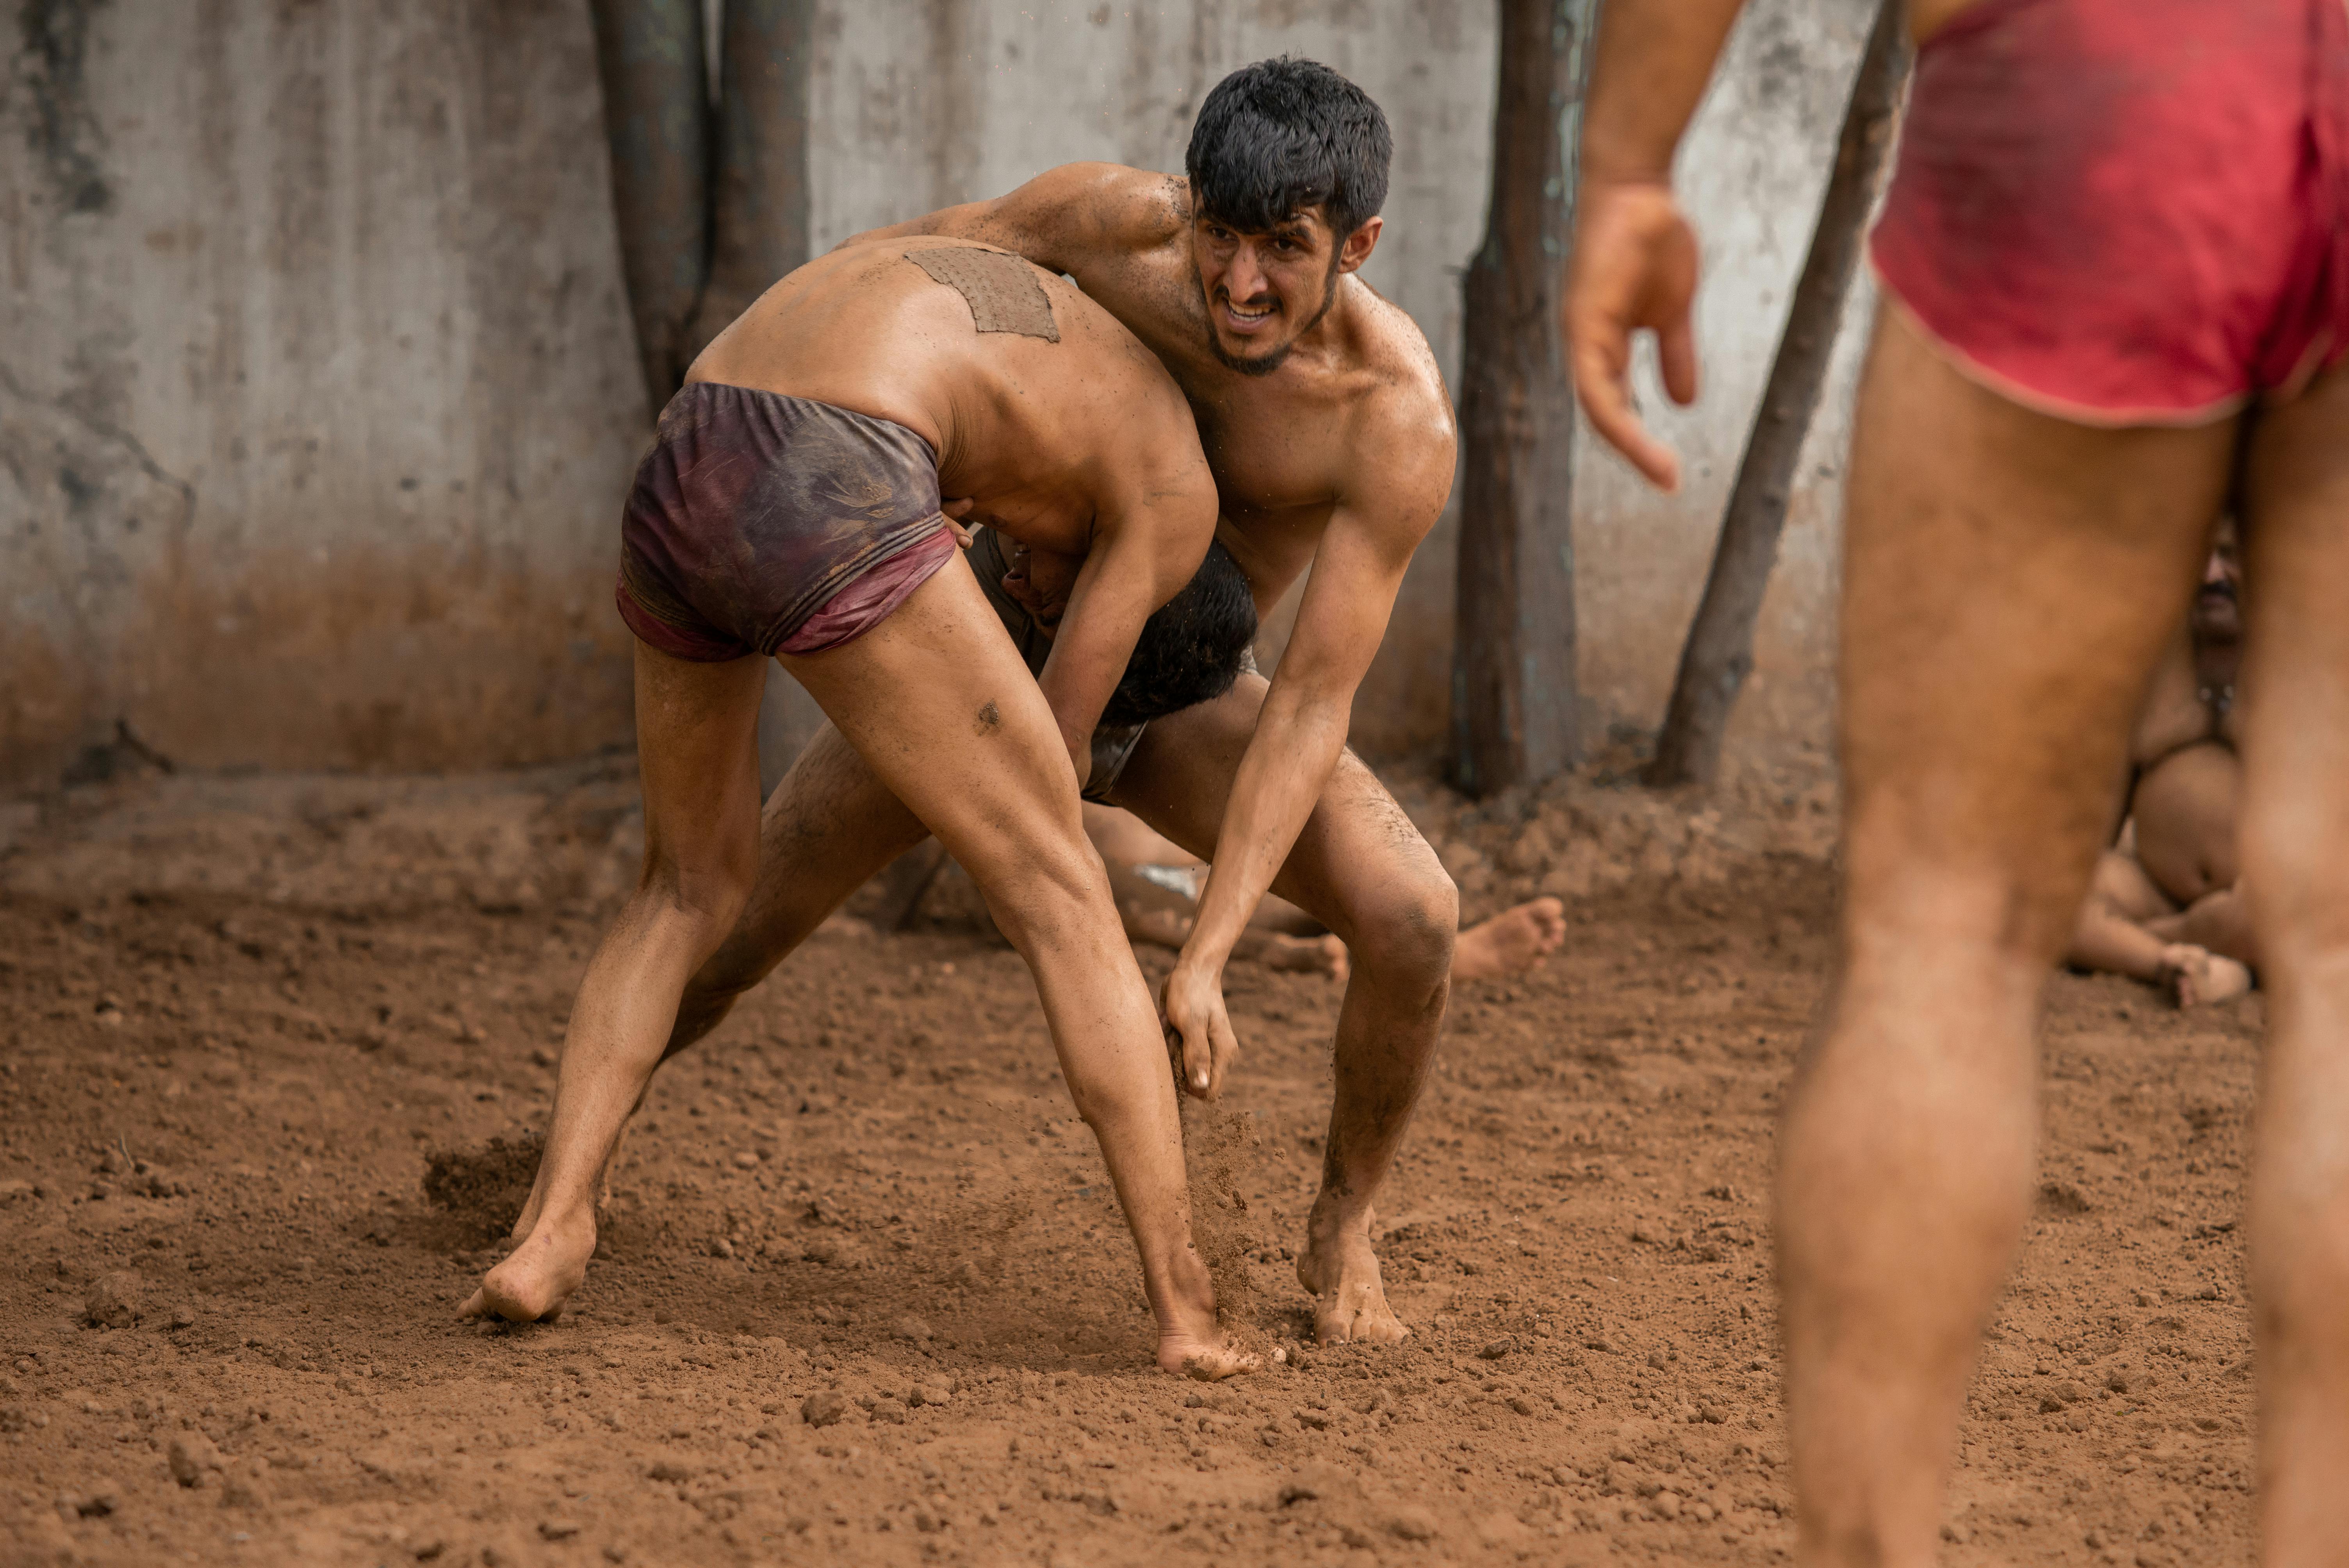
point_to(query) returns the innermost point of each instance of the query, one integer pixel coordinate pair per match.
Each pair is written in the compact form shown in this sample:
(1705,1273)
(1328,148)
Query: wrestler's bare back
(1020,420)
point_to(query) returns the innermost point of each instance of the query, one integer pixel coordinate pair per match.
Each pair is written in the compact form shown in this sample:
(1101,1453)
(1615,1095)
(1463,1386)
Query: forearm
(1653,60)
(1287,764)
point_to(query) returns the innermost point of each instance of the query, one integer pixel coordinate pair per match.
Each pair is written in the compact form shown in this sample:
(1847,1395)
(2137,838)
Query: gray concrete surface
(316,397)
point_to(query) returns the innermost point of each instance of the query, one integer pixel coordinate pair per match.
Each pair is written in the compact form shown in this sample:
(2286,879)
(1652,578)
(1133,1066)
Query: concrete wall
(317,399)
(316,389)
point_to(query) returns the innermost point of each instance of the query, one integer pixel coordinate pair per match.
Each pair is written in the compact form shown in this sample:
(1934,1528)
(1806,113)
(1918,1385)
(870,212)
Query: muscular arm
(1301,728)
(1064,218)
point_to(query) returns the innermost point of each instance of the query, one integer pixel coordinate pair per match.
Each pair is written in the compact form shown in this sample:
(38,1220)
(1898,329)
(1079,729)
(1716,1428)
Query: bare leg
(2009,579)
(2220,922)
(2110,935)
(939,705)
(1511,943)
(1362,869)
(1164,917)
(2295,835)
(696,742)
(2128,926)
(829,827)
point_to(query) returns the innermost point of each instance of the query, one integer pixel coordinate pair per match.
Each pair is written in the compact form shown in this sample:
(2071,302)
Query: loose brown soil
(864,1296)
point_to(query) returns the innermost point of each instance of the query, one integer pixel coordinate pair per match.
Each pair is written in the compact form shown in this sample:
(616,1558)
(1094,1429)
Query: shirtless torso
(1024,425)
(1357,410)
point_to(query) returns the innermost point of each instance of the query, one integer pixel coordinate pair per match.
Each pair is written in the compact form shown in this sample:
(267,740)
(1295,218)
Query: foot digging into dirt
(535,1281)
(1511,943)
(1211,1361)
(1342,1271)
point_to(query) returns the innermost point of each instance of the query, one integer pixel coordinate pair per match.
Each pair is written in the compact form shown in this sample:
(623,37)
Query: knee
(1046,889)
(1404,928)
(705,899)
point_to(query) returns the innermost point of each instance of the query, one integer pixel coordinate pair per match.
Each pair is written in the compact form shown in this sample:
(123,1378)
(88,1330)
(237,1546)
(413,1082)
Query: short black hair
(1193,648)
(1279,136)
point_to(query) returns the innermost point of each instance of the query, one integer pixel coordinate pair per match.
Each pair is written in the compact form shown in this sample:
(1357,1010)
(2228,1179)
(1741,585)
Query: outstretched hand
(1634,270)
(1198,1030)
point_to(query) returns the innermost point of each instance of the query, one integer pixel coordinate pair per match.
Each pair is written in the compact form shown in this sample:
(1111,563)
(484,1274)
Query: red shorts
(2127,212)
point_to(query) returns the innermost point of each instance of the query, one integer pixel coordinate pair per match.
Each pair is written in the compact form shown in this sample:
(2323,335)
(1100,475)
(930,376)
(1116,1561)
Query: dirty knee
(1411,930)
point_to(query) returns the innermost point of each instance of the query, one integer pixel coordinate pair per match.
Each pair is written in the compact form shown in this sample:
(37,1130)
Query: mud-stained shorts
(1113,744)
(761,524)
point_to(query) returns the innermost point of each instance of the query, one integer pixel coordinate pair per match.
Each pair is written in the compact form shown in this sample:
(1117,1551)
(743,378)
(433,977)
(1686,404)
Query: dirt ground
(864,1297)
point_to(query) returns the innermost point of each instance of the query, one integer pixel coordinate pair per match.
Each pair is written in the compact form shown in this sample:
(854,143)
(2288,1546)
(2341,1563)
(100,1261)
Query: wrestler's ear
(1357,246)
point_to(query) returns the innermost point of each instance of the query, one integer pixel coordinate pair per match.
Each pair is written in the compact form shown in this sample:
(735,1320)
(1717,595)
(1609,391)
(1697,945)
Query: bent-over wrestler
(2114,257)
(2165,904)
(790,507)
(1330,438)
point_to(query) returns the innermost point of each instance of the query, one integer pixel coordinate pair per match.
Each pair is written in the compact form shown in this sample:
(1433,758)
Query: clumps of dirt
(1214,1146)
(484,1185)
(1598,828)
(115,1300)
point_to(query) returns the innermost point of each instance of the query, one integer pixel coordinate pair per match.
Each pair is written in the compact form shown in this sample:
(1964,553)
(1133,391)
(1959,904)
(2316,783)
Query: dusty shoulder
(1158,206)
(1400,427)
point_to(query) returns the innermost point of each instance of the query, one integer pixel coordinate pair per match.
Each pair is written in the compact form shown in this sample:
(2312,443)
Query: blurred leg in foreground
(2116,226)
(2007,585)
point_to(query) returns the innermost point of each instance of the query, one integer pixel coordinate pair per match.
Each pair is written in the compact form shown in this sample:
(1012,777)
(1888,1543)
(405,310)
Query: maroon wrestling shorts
(764,524)
(2127,212)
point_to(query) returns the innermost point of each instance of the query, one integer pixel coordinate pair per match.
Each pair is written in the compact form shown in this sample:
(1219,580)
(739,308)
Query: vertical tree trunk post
(657,120)
(1719,654)
(758,184)
(759,232)
(1513,701)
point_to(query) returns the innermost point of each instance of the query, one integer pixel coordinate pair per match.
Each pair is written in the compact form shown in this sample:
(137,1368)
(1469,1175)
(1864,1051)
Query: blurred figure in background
(2166,905)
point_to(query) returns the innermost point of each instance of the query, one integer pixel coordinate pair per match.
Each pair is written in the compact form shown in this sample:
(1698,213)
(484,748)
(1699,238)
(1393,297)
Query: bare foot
(1190,1341)
(2196,975)
(1342,1271)
(535,1281)
(1210,1360)
(1306,956)
(1511,943)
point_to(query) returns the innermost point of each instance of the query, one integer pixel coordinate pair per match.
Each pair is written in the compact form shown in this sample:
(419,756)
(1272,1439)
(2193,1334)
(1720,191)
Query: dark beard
(1266,363)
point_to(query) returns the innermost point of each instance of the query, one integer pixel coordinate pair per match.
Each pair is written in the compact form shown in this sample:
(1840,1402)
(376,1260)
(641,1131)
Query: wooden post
(649,54)
(1719,654)
(1513,702)
(759,185)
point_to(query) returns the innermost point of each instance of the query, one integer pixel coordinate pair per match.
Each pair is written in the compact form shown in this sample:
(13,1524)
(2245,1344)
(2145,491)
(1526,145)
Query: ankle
(1333,1215)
